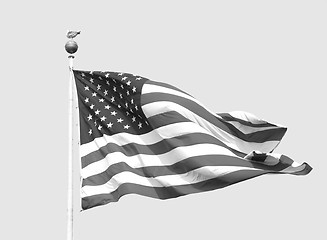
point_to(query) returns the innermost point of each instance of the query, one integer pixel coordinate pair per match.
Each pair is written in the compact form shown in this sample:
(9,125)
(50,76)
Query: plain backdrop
(268,58)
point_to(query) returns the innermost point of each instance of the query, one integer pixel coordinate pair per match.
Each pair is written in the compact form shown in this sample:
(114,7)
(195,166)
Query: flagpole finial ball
(71,47)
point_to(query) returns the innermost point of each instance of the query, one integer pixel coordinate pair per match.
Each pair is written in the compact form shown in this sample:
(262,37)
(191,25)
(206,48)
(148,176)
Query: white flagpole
(71,47)
(70,208)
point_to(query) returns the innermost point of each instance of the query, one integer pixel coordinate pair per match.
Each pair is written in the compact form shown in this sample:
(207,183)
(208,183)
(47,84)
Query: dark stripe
(176,191)
(305,171)
(167,118)
(228,117)
(171,117)
(288,161)
(184,102)
(181,167)
(169,192)
(258,137)
(161,147)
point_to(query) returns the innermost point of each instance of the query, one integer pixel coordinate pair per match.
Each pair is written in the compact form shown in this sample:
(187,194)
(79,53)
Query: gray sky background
(268,58)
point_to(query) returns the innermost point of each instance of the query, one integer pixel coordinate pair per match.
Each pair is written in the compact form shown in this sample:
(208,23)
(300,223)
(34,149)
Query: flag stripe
(168,158)
(248,130)
(172,117)
(151,93)
(246,119)
(113,143)
(161,147)
(181,137)
(228,139)
(169,192)
(168,131)
(153,137)
(181,190)
(240,116)
(191,177)
(180,167)
(149,87)
(302,169)
(168,102)
(195,176)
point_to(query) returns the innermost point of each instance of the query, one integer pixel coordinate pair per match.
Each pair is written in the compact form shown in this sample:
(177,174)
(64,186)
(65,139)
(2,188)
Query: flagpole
(71,47)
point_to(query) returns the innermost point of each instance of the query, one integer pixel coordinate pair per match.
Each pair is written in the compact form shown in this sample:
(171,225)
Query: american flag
(152,139)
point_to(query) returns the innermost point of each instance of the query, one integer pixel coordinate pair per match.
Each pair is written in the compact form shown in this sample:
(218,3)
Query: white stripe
(149,88)
(248,117)
(230,140)
(165,159)
(119,139)
(169,131)
(172,131)
(292,169)
(248,129)
(245,116)
(195,176)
